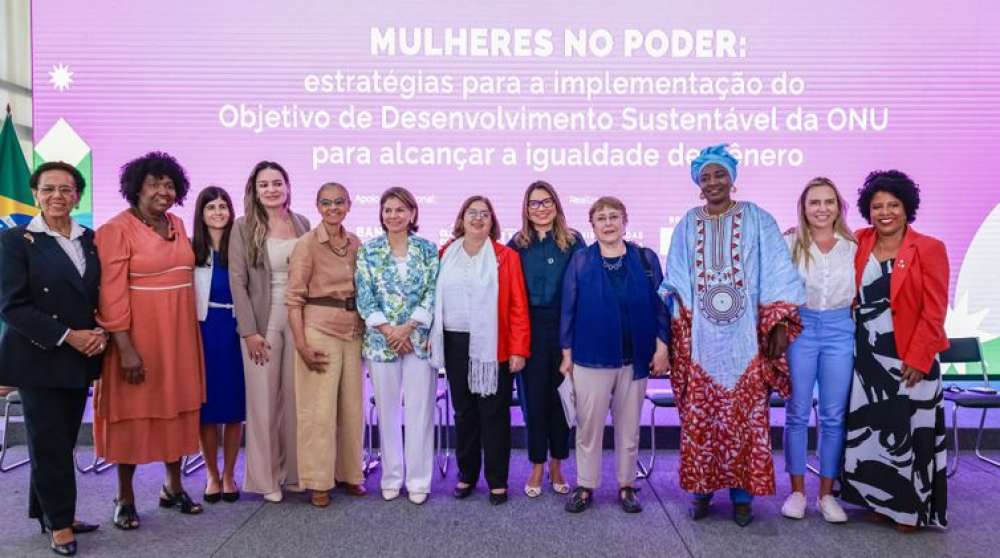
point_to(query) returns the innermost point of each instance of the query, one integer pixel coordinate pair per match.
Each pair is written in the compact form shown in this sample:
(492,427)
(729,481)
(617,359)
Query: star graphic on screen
(60,77)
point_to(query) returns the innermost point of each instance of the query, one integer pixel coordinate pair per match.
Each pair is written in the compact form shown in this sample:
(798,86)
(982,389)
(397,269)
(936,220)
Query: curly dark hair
(891,182)
(155,163)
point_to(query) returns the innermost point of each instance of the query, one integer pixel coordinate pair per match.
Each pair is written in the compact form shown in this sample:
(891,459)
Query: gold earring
(701,195)
(734,189)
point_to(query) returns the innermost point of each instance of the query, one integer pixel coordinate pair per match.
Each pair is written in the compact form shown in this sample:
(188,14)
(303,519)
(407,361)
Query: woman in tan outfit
(259,247)
(324,321)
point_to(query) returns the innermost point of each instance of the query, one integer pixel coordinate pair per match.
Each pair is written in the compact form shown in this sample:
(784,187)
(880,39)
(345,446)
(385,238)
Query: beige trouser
(270,430)
(330,419)
(595,389)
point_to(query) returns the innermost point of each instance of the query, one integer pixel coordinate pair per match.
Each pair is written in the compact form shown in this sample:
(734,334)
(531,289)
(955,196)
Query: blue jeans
(736,496)
(823,354)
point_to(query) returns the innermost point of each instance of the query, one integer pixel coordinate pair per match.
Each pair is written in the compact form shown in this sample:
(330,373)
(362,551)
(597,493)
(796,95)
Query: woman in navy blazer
(613,333)
(51,346)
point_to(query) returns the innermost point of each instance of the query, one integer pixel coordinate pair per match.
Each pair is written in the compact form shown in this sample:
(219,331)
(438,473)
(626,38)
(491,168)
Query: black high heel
(230,496)
(181,501)
(68,549)
(212,498)
(125,517)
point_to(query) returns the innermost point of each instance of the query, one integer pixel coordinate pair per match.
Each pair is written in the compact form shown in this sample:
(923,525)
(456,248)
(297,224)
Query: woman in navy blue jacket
(51,346)
(545,244)
(614,332)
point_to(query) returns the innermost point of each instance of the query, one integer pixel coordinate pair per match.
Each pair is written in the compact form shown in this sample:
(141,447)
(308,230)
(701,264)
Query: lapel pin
(28,236)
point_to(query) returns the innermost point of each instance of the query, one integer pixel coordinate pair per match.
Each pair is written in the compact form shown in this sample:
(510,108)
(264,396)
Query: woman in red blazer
(480,349)
(895,459)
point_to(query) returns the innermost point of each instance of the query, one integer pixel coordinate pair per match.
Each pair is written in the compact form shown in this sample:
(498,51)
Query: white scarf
(482,322)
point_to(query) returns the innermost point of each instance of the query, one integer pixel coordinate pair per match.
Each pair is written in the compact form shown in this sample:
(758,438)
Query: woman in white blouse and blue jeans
(823,248)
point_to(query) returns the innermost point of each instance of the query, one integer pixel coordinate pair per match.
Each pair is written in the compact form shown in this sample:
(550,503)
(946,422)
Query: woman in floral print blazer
(395,281)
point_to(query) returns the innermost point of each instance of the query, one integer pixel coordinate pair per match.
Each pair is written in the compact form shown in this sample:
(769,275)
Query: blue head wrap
(715,154)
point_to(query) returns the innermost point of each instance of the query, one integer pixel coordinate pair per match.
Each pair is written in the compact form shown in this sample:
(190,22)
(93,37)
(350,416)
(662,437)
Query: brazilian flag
(17,205)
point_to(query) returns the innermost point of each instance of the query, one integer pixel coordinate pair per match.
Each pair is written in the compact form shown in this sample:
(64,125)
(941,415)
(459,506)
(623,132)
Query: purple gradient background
(152,75)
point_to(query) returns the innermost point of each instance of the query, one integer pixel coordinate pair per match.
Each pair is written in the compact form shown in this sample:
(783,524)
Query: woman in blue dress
(225,402)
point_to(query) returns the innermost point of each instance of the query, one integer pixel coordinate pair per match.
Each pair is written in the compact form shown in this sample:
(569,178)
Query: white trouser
(417,381)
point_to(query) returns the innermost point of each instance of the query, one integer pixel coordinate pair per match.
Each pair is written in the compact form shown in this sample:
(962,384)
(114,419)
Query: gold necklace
(732,204)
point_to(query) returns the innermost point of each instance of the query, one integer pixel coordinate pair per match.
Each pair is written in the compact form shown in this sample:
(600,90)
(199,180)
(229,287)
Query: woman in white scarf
(481,336)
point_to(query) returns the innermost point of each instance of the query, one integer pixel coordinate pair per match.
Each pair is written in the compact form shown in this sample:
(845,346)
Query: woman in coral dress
(152,381)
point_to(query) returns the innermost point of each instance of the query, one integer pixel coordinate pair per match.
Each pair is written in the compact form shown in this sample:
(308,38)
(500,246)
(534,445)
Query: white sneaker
(794,506)
(417,497)
(389,494)
(274,497)
(831,509)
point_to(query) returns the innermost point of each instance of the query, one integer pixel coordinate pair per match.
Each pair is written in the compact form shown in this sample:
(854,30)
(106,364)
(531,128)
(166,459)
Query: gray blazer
(251,285)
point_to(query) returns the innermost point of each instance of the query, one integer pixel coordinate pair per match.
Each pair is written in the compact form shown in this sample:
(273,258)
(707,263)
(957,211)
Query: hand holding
(314,360)
(661,360)
(911,375)
(133,370)
(566,366)
(259,349)
(89,342)
(777,341)
(517,363)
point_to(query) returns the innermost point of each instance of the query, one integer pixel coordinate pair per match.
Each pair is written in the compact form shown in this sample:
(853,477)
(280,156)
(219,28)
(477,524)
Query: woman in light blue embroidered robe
(737,294)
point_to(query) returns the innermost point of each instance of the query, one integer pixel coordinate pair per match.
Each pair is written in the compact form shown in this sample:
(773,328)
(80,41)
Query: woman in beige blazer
(259,248)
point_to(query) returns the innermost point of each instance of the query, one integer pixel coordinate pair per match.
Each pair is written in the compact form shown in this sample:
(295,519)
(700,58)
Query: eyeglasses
(63,190)
(609,218)
(477,214)
(547,203)
(339,202)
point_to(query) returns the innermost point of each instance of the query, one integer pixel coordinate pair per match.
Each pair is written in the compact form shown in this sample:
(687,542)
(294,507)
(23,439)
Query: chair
(371,458)
(664,398)
(969,350)
(97,465)
(660,398)
(13,399)
(191,463)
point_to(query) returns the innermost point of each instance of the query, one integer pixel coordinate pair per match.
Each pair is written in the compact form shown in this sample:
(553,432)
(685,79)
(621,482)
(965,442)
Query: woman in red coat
(895,458)
(480,350)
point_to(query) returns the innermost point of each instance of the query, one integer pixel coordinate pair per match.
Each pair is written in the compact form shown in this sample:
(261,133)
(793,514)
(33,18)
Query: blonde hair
(254,212)
(560,232)
(803,238)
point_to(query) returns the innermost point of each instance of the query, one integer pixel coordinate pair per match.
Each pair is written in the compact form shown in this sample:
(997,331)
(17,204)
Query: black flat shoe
(580,500)
(462,492)
(125,517)
(629,501)
(742,514)
(68,549)
(699,508)
(498,498)
(211,498)
(230,496)
(181,501)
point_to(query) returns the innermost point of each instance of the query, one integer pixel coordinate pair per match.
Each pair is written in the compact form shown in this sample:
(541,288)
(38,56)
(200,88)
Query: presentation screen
(455,98)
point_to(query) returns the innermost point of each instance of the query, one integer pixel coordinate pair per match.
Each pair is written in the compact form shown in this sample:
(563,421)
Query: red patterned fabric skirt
(725,436)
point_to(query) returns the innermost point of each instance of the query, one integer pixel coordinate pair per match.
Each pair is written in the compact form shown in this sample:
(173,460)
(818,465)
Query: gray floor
(368,526)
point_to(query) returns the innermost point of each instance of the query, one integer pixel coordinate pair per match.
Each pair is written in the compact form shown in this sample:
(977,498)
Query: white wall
(15,67)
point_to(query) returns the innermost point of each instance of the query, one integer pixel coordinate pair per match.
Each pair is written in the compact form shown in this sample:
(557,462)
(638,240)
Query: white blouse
(830,277)
(455,292)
